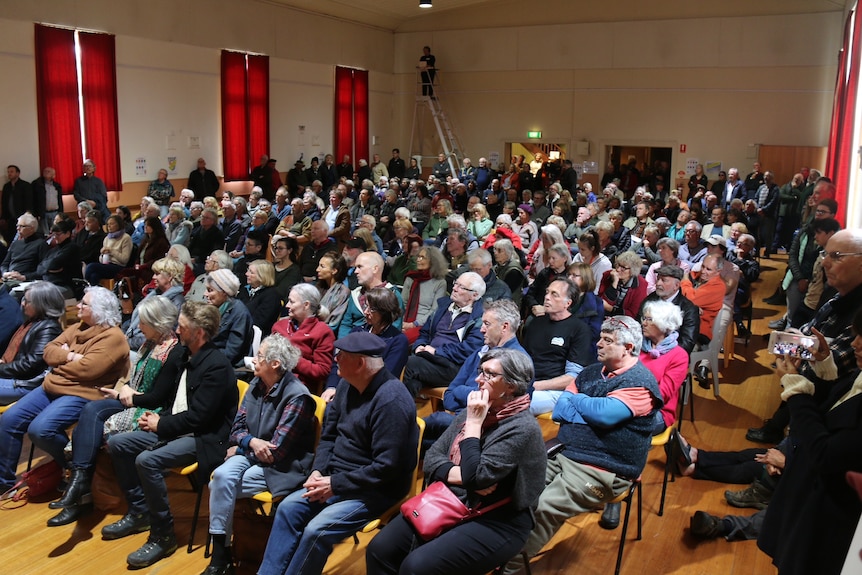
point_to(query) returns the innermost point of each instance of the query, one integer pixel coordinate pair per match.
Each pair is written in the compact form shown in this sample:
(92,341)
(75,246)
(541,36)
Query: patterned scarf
(664,346)
(513,407)
(151,357)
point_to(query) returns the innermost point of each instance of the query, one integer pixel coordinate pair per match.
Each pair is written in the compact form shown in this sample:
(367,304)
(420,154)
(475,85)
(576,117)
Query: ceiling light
(425,3)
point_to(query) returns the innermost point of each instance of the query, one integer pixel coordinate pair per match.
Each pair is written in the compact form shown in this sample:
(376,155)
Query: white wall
(713,84)
(168,76)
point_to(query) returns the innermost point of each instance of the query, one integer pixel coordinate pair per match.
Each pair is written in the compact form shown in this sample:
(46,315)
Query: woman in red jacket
(306,328)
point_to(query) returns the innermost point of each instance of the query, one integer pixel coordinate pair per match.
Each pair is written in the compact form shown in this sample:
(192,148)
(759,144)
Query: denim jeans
(9,393)
(236,478)
(304,532)
(543,401)
(87,437)
(45,419)
(141,472)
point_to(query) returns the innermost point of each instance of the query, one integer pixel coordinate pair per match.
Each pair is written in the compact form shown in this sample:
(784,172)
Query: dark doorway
(638,166)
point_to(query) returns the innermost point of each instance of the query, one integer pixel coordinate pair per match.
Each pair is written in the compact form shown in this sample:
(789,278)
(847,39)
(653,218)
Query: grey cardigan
(430,291)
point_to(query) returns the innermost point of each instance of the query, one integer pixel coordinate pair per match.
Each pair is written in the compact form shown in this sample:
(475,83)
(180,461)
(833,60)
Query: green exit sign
(534,134)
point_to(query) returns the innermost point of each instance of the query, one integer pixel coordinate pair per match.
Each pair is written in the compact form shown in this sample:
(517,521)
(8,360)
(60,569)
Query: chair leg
(628,502)
(715,389)
(32,453)
(640,510)
(199,491)
(667,472)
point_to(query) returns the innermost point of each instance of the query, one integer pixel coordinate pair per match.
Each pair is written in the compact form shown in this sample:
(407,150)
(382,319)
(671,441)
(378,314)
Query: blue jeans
(87,437)
(141,472)
(45,419)
(236,478)
(9,393)
(304,532)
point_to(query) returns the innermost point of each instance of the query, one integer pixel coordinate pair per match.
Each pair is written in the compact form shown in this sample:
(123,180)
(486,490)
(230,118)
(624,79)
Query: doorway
(638,166)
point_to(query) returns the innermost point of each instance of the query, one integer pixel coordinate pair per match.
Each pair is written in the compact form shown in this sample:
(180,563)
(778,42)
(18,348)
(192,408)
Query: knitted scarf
(418,276)
(664,346)
(513,407)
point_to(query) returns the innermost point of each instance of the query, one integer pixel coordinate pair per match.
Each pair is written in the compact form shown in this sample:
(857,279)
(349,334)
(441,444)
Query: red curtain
(344,114)
(839,157)
(351,114)
(360,113)
(245,112)
(258,108)
(99,90)
(234,126)
(57,103)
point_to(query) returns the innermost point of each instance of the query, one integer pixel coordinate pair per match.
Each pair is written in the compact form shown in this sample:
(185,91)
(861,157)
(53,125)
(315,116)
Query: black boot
(70,514)
(77,492)
(611,516)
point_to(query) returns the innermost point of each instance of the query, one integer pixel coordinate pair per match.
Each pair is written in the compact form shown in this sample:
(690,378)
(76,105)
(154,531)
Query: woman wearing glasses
(622,289)
(422,288)
(492,452)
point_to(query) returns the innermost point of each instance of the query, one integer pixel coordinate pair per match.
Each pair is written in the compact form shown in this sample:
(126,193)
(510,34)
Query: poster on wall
(140,166)
(172,165)
(591,168)
(690,165)
(493,159)
(711,168)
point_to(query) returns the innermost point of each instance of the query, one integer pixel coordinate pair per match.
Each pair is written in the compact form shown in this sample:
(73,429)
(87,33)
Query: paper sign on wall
(690,165)
(140,166)
(172,165)
(712,168)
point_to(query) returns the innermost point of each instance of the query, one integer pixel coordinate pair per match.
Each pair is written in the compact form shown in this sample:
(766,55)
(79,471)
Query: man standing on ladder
(426,67)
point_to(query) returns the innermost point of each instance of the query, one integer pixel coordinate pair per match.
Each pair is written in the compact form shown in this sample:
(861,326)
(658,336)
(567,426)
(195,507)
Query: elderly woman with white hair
(622,289)
(178,228)
(272,443)
(663,356)
(218,260)
(90,354)
(537,259)
(235,328)
(306,328)
(152,382)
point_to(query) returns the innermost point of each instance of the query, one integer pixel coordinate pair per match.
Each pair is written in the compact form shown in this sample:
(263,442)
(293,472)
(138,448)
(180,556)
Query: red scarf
(418,276)
(15,343)
(513,407)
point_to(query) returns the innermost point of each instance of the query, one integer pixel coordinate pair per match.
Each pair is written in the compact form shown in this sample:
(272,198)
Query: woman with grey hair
(178,229)
(663,356)
(22,367)
(559,259)
(306,328)
(622,289)
(422,288)
(90,354)
(150,387)
(168,280)
(272,442)
(507,267)
(494,442)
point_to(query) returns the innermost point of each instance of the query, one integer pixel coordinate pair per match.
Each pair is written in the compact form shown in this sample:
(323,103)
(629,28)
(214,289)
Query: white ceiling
(406,16)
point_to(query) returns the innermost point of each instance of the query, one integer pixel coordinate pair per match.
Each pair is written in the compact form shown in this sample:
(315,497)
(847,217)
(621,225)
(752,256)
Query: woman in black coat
(21,366)
(259,296)
(814,512)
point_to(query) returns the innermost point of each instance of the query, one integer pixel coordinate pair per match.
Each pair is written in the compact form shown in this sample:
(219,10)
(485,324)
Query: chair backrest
(242,388)
(255,342)
(319,410)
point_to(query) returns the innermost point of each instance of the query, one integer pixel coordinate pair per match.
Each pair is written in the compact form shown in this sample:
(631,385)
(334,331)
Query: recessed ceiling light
(425,3)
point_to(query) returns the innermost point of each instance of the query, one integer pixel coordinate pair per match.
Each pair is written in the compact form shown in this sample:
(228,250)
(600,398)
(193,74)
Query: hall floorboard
(749,393)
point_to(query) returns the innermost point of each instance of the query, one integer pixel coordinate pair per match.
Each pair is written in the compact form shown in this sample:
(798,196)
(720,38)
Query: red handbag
(36,482)
(437,509)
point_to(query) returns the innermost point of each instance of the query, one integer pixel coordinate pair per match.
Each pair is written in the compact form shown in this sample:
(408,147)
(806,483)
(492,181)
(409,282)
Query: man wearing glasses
(842,265)
(449,338)
(25,253)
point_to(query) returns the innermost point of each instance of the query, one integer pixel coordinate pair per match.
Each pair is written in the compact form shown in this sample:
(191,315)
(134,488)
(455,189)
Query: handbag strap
(478,511)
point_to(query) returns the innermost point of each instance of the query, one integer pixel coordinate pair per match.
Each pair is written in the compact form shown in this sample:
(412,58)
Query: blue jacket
(470,342)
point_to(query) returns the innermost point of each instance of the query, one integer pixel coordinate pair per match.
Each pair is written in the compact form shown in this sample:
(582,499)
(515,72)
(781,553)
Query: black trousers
(428,370)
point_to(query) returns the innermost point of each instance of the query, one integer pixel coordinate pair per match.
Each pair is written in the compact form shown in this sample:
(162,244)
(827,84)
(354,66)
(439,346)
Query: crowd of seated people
(367,295)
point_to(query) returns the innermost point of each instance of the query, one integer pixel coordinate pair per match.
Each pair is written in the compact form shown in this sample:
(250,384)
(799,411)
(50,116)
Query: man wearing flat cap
(668,279)
(363,464)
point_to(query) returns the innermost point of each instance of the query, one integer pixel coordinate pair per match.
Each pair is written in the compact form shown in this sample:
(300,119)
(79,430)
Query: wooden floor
(749,393)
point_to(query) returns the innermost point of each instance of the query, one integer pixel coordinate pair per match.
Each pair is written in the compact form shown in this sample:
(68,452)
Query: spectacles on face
(422,257)
(485,375)
(838,256)
(463,288)
(823,212)
(646,319)
(623,268)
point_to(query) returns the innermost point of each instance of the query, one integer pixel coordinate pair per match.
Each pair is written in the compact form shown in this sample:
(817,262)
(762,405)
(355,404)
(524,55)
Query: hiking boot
(756,496)
(706,526)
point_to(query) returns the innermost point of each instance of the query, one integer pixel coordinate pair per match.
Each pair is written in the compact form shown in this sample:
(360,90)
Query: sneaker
(756,496)
(706,526)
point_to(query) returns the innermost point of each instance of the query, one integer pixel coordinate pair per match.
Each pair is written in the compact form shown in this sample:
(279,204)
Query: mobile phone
(792,344)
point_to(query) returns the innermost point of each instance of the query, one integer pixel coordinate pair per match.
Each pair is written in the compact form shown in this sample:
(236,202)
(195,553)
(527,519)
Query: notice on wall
(712,168)
(140,166)
(591,168)
(493,159)
(172,165)
(690,165)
